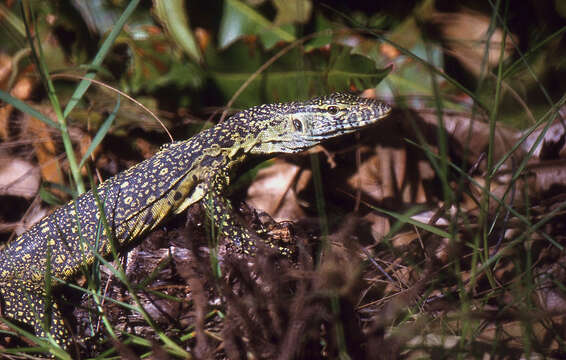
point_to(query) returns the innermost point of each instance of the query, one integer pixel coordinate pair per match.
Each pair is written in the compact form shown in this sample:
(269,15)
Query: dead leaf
(469,135)
(19,178)
(5,112)
(23,88)
(384,175)
(45,147)
(379,225)
(5,69)
(273,191)
(466,34)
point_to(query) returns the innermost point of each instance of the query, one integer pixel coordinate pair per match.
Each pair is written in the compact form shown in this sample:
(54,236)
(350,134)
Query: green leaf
(157,64)
(320,24)
(13,21)
(348,69)
(172,15)
(238,19)
(48,197)
(294,76)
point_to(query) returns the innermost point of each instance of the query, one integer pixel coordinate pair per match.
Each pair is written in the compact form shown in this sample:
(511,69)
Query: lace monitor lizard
(136,200)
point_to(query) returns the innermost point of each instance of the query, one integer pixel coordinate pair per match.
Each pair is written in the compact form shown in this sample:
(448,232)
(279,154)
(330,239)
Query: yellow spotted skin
(138,199)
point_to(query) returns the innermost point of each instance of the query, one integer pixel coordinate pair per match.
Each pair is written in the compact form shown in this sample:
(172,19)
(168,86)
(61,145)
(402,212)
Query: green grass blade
(319,195)
(23,107)
(39,59)
(104,49)
(101,133)
(44,345)
(12,20)
(523,59)
(406,218)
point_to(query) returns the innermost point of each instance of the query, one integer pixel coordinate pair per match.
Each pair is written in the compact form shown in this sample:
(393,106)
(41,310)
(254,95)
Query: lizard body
(136,200)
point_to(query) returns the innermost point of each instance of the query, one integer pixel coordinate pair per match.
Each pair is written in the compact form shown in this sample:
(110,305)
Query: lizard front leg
(220,210)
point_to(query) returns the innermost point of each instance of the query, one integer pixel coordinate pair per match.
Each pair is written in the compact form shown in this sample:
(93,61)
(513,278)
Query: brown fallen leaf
(19,178)
(466,35)
(45,147)
(274,191)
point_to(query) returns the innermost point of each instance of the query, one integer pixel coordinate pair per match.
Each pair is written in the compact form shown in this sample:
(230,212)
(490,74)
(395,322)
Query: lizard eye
(333,110)
(298,125)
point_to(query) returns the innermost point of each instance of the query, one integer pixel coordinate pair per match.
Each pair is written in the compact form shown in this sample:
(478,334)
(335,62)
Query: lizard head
(298,126)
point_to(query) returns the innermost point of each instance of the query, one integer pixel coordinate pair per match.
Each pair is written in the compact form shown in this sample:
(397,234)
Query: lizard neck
(231,142)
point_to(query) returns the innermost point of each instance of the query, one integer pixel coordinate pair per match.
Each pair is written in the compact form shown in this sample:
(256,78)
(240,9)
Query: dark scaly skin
(180,174)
